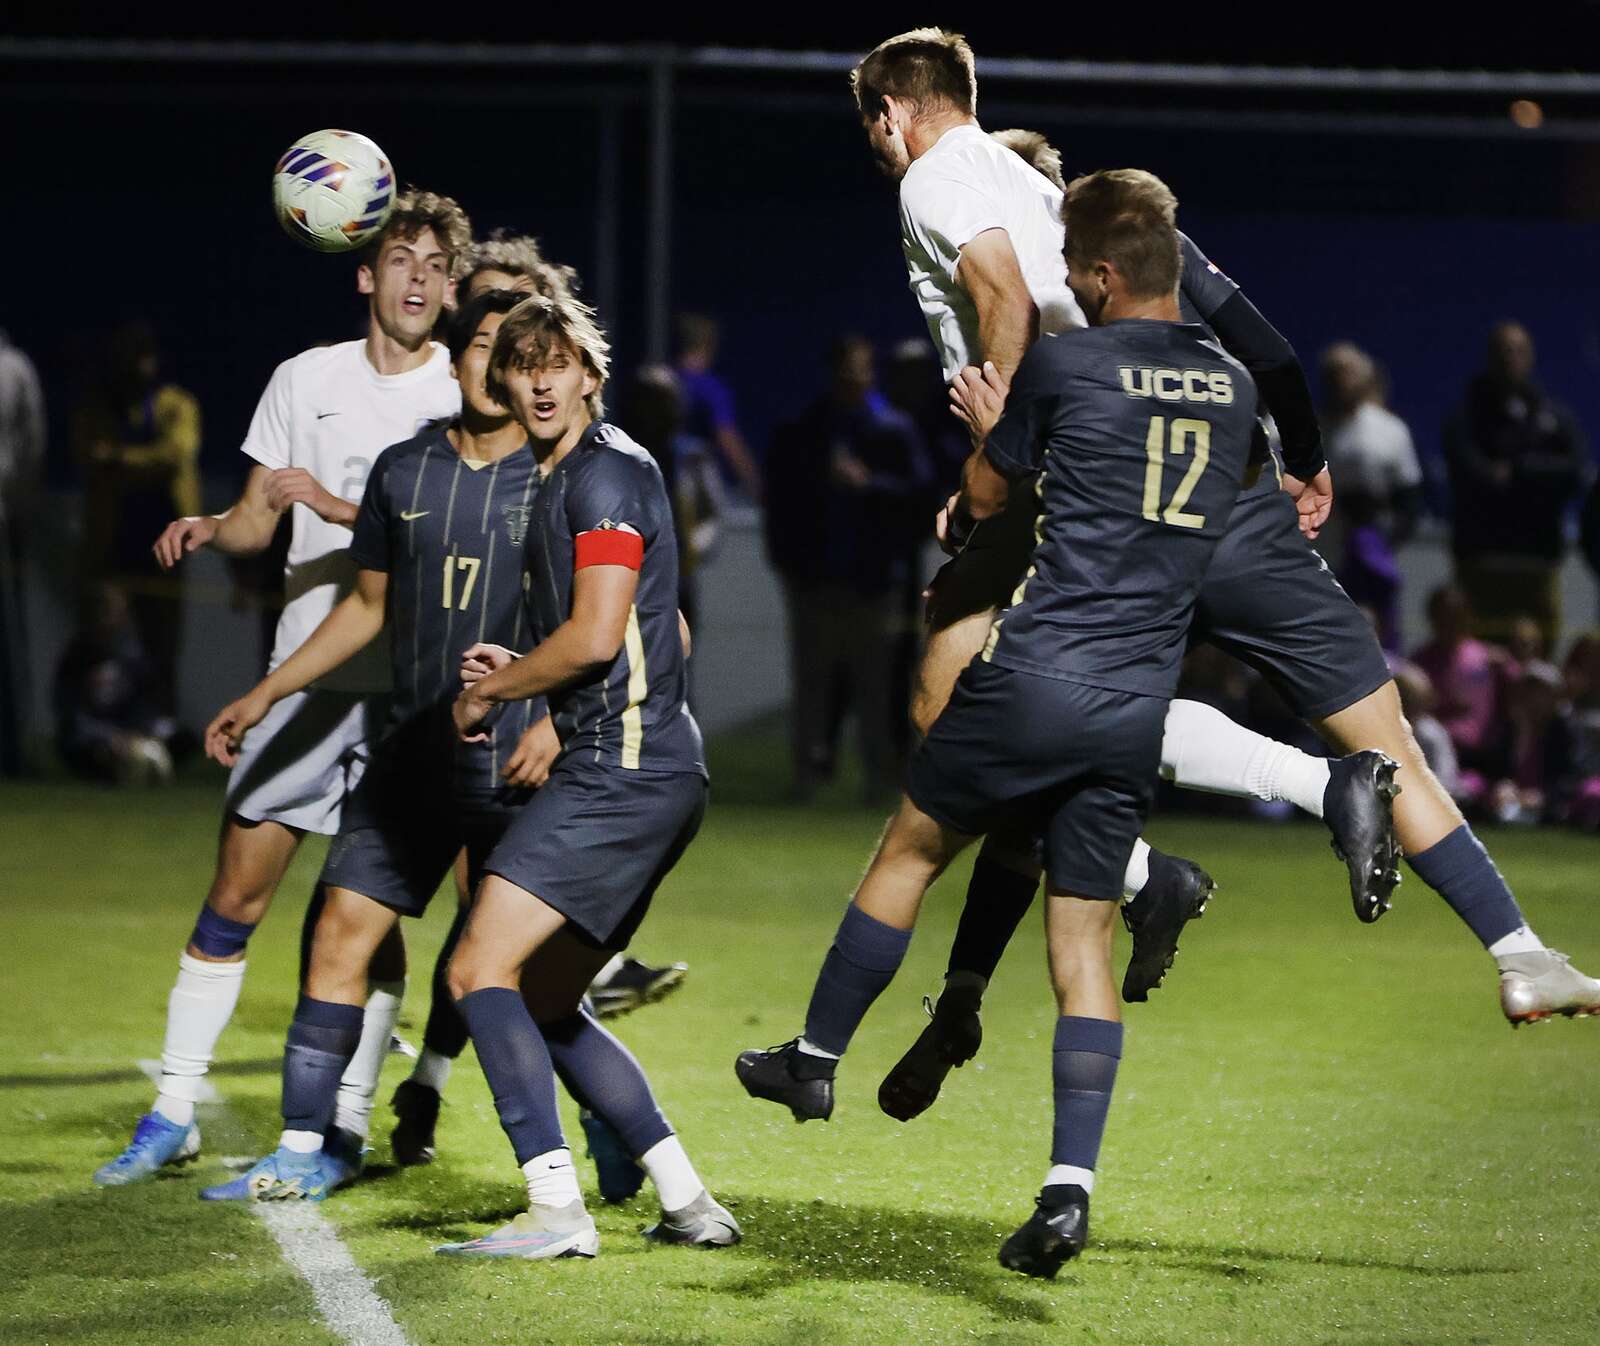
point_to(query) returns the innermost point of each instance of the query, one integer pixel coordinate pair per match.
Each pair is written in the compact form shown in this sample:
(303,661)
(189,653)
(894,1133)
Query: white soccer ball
(333,190)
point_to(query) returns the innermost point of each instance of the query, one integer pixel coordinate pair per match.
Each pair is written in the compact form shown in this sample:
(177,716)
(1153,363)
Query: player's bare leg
(1535,982)
(1087,1049)
(949,650)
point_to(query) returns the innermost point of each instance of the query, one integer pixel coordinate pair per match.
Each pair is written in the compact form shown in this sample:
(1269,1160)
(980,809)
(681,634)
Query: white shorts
(299,763)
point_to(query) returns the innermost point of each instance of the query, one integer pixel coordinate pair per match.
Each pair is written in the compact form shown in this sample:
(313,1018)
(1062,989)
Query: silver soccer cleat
(703,1223)
(1533,986)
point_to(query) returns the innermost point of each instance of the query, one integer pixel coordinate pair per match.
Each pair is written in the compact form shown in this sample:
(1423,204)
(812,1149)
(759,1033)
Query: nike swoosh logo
(323,415)
(406,515)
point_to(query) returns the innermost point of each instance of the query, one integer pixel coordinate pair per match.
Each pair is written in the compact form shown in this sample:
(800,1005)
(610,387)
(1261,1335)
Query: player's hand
(482,660)
(295,486)
(469,712)
(536,753)
(1313,500)
(977,397)
(226,732)
(182,536)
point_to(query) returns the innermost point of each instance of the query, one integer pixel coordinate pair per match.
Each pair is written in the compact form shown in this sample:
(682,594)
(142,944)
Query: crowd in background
(1505,700)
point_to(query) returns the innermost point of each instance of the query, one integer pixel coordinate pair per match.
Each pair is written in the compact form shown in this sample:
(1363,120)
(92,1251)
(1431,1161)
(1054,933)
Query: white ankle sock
(811,1049)
(1202,749)
(676,1182)
(432,1070)
(1067,1173)
(605,974)
(1137,874)
(352,1111)
(301,1142)
(1520,940)
(202,1001)
(551,1178)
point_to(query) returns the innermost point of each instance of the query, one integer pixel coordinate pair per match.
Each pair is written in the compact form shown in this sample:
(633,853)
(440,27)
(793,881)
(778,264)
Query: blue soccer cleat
(536,1235)
(620,1177)
(283,1175)
(156,1143)
(344,1156)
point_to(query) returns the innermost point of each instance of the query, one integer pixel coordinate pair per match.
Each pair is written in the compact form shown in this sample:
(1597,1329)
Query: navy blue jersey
(606,503)
(450,534)
(1139,433)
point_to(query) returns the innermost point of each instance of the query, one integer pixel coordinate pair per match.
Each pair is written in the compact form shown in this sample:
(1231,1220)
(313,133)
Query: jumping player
(571,879)
(1059,720)
(325,416)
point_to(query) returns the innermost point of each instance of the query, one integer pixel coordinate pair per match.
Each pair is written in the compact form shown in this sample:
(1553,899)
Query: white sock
(1137,873)
(352,1111)
(1071,1175)
(1202,749)
(432,1070)
(301,1142)
(605,974)
(552,1180)
(810,1049)
(676,1182)
(1520,940)
(201,1003)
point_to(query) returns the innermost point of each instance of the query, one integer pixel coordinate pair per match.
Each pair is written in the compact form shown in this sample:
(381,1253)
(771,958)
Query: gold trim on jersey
(638,690)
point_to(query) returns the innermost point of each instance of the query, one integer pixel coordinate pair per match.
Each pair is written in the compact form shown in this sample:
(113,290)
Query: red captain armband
(612,544)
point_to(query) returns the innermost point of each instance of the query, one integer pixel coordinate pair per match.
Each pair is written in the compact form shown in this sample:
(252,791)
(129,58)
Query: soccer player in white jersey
(324,417)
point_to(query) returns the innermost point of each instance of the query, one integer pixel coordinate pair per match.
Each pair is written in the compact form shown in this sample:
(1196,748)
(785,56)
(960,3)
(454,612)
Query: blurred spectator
(1540,785)
(1526,643)
(138,440)
(836,474)
(652,412)
(1582,676)
(1469,679)
(1417,701)
(108,726)
(1517,462)
(708,412)
(1379,481)
(1589,531)
(21,470)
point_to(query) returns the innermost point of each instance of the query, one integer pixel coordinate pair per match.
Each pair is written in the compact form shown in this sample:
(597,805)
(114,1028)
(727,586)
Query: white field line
(347,1299)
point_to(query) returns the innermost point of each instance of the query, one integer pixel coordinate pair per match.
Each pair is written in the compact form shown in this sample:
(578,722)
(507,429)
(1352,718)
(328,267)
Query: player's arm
(243,529)
(345,631)
(295,486)
(1008,319)
(582,646)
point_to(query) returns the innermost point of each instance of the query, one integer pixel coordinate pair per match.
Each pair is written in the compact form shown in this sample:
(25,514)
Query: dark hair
(469,318)
(926,67)
(1128,217)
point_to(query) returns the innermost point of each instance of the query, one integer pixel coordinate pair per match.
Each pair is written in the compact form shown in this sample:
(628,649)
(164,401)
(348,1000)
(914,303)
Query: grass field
(1323,1132)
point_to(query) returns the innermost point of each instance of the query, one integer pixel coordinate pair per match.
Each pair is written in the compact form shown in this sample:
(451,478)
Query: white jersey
(967,183)
(327,410)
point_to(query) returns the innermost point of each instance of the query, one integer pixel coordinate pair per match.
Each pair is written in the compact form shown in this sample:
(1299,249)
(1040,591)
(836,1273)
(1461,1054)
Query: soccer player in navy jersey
(1139,430)
(575,872)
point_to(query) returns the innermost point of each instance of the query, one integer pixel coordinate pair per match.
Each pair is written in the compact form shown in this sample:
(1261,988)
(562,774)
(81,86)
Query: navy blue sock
(446,1032)
(322,1039)
(604,1077)
(1084,1071)
(997,900)
(517,1065)
(865,955)
(1460,871)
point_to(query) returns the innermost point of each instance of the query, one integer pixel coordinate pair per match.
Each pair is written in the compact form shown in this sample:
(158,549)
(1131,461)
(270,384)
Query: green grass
(1322,1132)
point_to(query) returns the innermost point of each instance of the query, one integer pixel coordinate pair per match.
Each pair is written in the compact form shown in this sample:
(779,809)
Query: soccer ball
(333,190)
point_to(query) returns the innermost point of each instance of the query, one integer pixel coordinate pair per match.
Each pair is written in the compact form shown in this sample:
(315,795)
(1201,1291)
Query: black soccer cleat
(1358,807)
(1055,1233)
(417,1107)
(1175,894)
(803,1083)
(949,1041)
(635,984)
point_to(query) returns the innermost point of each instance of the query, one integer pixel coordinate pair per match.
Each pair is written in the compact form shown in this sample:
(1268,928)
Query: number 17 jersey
(1135,436)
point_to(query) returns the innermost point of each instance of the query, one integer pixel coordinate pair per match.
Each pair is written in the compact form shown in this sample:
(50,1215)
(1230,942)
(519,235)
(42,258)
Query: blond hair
(927,67)
(1127,217)
(518,255)
(541,324)
(416,210)
(1035,151)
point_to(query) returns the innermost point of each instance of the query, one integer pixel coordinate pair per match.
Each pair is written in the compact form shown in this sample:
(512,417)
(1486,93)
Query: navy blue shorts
(404,824)
(595,841)
(1271,602)
(1018,750)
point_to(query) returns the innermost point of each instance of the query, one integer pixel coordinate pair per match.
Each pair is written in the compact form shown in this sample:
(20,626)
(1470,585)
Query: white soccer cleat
(537,1234)
(1534,986)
